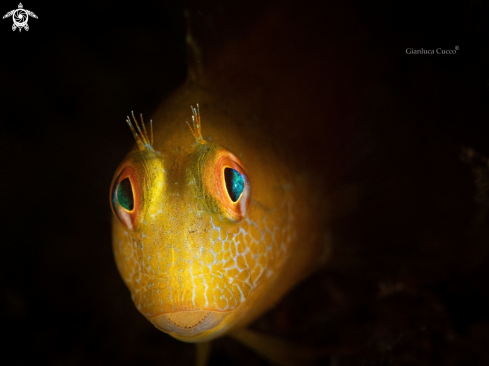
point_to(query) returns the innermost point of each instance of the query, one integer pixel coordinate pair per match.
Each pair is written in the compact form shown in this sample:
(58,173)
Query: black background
(409,283)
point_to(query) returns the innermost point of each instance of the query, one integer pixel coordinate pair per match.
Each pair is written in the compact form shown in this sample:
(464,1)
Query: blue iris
(124,194)
(234,183)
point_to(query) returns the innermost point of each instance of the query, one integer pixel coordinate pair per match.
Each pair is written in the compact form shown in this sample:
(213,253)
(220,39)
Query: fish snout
(189,326)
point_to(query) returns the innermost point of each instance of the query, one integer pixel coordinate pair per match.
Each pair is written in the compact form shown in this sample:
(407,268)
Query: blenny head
(183,239)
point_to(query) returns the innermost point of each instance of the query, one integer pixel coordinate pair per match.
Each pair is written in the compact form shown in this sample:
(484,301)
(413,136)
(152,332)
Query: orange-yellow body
(197,264)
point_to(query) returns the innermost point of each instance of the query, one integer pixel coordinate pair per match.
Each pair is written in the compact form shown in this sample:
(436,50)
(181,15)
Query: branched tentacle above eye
(196,126)
(141,135)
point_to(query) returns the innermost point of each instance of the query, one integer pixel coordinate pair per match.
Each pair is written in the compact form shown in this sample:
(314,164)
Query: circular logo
(20,17)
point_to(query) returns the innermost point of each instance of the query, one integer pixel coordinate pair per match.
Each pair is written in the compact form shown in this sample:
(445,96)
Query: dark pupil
(124,194)
(234,183)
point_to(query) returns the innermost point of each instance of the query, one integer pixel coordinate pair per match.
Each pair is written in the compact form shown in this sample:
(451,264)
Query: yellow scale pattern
(203,272)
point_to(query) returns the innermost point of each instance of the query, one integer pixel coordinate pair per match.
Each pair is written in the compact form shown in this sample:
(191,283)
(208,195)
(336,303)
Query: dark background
(409,280)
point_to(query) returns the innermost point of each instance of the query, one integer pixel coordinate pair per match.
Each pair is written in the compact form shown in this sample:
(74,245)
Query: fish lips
(191,326)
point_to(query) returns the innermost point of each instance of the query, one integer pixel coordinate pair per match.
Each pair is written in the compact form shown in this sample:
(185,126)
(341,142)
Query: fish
(216,219)
(206,241)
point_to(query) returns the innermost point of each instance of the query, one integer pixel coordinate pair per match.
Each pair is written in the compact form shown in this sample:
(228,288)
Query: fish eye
(125,197)
(234,183)
(227,188)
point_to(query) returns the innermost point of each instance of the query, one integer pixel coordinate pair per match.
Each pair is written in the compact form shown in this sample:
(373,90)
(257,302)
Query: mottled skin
(186,252)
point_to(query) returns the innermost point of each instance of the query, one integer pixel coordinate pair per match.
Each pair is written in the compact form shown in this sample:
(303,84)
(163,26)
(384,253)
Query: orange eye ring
(217,187)
(125,197)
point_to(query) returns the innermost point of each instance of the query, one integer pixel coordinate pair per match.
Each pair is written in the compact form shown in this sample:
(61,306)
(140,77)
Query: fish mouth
(186,325)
